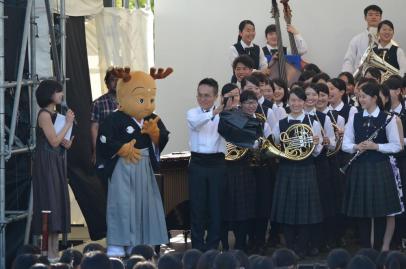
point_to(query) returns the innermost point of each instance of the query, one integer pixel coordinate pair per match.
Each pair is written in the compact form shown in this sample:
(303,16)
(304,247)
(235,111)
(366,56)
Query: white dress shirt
(328,129)
(315,128)
(340,120)
(263,63)
(204,137)
(340,106)
(392,133)
(357,47)
(270,115)
(300,44)
(398,109)
(400,57)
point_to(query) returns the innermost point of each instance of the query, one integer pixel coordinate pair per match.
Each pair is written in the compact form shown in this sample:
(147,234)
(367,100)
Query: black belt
(207,155)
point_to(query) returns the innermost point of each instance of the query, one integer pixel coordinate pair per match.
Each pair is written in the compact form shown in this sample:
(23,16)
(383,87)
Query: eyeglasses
(250,103)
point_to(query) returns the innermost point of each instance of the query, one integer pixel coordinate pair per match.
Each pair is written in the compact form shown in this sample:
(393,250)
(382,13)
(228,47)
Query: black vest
(391,55)
(363,130)
(253,52)
(273,51)
(402,116)
(321,118)
(333,115)
(284,124)
(265,106)
(345,112)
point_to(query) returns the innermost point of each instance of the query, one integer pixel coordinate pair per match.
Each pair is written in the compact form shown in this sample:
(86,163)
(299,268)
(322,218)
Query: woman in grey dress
(50,185)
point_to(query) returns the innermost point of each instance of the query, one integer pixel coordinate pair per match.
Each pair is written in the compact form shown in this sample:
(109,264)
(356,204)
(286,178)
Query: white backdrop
(194,38)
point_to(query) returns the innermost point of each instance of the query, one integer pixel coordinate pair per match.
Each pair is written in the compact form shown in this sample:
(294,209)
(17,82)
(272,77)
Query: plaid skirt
(296,197)
(370,190)
(327,193)
(264,183)
(240,192)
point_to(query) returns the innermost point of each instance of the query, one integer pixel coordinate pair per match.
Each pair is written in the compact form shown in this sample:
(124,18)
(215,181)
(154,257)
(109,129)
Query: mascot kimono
(129,143)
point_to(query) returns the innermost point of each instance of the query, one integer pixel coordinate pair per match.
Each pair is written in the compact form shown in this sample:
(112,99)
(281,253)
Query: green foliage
(133,3)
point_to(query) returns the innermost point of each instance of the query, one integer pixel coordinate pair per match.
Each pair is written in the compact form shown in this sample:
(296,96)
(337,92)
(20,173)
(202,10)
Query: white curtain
(78,7)
(119,37)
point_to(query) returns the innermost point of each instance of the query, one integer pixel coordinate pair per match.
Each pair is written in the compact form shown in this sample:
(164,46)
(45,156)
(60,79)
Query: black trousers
(206,175)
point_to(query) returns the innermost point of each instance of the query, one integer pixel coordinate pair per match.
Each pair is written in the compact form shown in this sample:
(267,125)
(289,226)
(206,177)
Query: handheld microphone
(64,109)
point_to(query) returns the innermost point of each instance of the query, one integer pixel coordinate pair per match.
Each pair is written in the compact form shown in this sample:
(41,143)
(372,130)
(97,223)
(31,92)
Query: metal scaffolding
(14,145)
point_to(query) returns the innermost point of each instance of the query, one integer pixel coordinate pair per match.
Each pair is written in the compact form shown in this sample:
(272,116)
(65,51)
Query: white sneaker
(115,251)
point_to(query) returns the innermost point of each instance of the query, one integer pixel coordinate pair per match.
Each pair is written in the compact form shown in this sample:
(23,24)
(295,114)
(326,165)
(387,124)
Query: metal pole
(62,25)
(20,73)
(2,146)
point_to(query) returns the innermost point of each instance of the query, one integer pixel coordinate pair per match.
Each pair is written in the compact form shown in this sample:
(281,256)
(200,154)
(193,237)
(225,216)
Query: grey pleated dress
(50,185)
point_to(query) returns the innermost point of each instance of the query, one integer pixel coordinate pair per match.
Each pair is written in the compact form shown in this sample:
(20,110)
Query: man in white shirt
(206,168)
(359,43)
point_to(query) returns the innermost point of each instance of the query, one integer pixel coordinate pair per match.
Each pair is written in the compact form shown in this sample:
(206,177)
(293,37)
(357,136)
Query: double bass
(280,68)
(287,11)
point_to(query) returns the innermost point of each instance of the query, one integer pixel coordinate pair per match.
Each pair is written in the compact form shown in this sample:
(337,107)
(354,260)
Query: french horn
(296,143)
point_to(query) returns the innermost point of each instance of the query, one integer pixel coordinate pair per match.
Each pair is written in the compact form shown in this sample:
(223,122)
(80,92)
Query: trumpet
(359,152)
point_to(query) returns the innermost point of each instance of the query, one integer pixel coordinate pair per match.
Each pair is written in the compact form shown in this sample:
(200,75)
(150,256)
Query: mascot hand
(129,152)
(150,127)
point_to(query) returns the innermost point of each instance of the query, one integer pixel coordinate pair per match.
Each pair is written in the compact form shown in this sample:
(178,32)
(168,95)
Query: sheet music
(58,126)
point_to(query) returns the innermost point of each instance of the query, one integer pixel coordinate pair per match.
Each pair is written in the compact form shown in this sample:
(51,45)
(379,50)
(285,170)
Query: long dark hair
(372,89)
(241,27)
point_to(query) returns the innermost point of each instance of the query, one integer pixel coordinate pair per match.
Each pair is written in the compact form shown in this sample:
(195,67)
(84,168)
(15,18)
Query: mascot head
(136,90)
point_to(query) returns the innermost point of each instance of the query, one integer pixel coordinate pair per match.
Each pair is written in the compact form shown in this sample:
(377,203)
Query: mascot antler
(161,73)
(123,73)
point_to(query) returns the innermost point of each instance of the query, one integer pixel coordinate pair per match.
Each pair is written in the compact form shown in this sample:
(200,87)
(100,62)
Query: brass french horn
(295,144)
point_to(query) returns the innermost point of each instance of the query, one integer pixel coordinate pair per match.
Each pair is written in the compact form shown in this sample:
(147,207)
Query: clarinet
(358,153)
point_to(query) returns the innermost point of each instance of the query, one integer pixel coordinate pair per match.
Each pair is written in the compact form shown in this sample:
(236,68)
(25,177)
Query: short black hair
(284,257)
(45,91)
(25,261)
(374,8)
(387,23)
(251,79)
(338,83)
(371,89)
(133,260)
(307,74)
(364,80)
(281,83)
(349,77)
(245,60)
(299,92)
(261,77)
(71,256)
(190,258)
(393,83)
(145,251)
(323,76)
(95,259)
(248,95)
(225,260)
(116,263)
(320,87)
(395,259)
(169,261)
(263,263)
(361,262)
(375,72)
(93,247)
(228,88)
(313,67)
(207,259)
(210,82)
(144,265)
(338,258)
(270,29)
